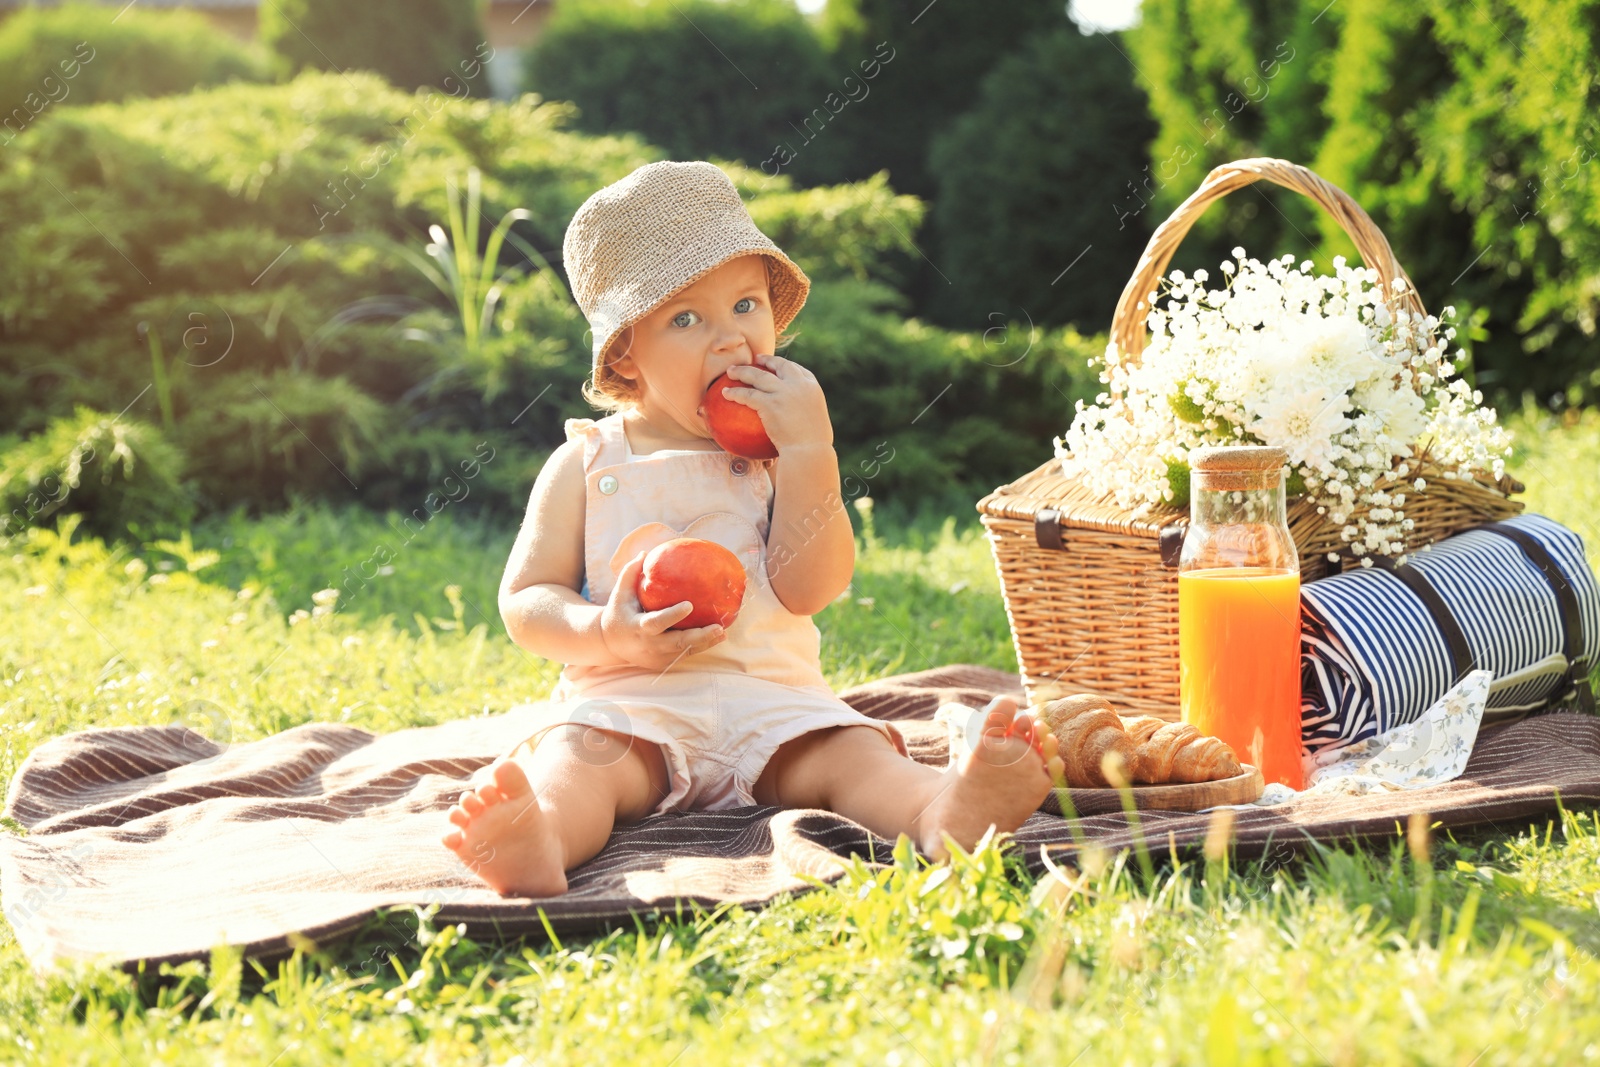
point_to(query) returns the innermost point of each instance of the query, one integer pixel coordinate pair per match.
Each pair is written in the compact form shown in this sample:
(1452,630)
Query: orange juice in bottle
(1239,609)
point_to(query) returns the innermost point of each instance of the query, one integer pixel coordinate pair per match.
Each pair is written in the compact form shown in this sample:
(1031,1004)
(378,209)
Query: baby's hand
(788,398)
(643,638)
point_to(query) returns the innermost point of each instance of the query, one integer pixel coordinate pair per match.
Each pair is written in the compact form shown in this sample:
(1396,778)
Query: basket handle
(1128,324)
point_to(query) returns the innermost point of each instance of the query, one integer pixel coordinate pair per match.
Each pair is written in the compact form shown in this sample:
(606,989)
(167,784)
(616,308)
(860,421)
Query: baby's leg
(547,810)
(854,771)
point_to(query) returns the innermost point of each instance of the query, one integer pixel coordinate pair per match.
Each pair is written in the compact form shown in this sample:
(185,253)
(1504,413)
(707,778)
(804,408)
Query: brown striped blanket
(155,843)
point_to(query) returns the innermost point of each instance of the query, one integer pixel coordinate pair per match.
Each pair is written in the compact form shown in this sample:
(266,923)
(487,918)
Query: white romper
(718,715)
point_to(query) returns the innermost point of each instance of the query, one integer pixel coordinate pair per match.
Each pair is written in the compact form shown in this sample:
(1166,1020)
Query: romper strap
(602,438)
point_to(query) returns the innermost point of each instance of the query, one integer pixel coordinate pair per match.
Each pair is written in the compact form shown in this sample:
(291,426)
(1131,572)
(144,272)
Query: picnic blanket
(156,843)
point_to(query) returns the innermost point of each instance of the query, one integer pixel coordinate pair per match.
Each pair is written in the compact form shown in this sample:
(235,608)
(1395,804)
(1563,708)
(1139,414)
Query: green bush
(921,411)
(1030,182)
(120,473)
(413,43)
(485,470)
(88,53)
(1468,133)
(227,268)
(1374,136)
(283,431)
(1543,61)
(697,77)
(855,231)
(1230,79)
(200,217)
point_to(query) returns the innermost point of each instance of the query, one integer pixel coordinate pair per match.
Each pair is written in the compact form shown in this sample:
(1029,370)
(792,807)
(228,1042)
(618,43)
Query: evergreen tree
(1030,183)
(1227,80)
(940,53)
(1468,132)
(727,79)
(1514,139)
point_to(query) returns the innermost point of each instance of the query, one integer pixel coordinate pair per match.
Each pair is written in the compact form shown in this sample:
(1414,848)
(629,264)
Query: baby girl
(679,285)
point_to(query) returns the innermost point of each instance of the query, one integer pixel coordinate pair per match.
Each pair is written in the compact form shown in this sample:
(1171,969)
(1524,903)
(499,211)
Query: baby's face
(680,348)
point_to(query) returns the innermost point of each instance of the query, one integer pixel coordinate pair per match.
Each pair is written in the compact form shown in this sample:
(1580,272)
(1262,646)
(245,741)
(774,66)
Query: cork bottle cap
(1237,458)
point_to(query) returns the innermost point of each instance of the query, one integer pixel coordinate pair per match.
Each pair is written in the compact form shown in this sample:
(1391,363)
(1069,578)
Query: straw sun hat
(639,240)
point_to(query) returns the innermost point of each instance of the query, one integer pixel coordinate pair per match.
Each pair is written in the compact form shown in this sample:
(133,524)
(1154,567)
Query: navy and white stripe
(1373,658)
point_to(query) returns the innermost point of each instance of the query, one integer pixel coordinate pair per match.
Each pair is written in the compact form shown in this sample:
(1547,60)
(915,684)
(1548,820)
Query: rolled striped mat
(1379,645)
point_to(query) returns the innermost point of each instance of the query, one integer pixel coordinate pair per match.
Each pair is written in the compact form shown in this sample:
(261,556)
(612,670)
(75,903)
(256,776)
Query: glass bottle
(1239,609)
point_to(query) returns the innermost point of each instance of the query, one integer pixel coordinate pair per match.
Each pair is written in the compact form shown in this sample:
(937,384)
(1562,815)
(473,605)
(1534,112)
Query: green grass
(1483,954)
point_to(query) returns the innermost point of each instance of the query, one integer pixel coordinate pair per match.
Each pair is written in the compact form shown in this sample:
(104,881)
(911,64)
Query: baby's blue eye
(746,300)
(680,315)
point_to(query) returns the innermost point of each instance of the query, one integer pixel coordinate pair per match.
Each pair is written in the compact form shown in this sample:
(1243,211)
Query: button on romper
(718,715)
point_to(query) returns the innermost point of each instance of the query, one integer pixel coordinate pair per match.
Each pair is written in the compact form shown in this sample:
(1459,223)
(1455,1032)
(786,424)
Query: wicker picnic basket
(1091,592)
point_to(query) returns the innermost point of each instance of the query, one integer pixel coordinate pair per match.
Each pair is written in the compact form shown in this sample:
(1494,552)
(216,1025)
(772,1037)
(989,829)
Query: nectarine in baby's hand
(736,427)
(649,639)
(702,572)
(767,407)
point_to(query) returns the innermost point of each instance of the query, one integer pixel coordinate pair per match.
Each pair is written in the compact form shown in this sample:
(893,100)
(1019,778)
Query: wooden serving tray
(1242,788)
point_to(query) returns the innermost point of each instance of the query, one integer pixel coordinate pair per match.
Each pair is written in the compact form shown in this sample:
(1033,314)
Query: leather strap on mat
(1572,636)
(1449,629)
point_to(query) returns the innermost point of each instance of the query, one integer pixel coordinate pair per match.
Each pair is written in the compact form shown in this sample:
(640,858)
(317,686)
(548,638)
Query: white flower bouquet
(1358,396)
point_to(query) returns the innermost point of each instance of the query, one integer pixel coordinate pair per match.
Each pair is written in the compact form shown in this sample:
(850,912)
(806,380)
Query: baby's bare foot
(506,839)
(1001,782)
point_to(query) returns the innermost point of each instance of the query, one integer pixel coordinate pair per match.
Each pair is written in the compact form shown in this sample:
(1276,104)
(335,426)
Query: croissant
(1177,752)
(1140,727)
(1087,730)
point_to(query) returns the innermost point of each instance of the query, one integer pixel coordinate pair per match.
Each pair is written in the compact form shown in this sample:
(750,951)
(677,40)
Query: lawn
(1479,950)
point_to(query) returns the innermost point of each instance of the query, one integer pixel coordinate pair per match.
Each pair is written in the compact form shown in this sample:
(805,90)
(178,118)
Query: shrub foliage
(226,271)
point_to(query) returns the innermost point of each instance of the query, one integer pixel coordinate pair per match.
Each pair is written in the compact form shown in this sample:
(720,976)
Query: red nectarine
(702,572)
(737,427)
